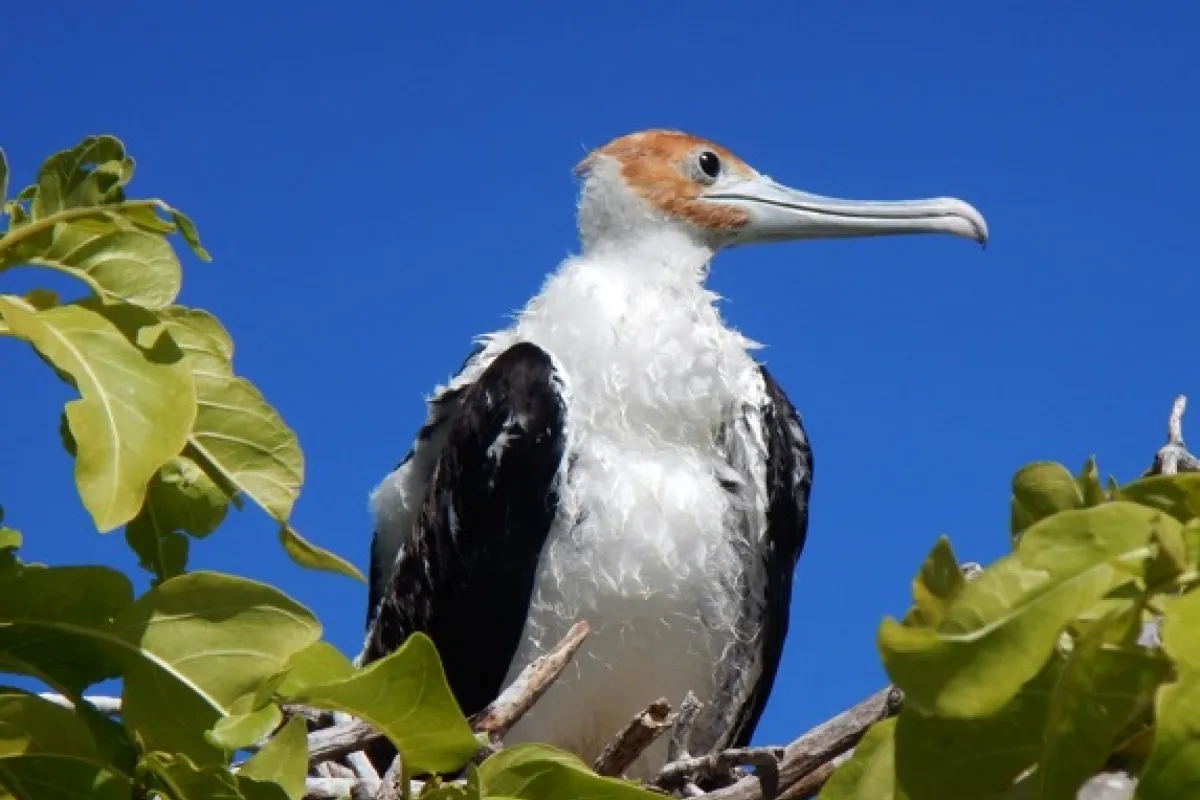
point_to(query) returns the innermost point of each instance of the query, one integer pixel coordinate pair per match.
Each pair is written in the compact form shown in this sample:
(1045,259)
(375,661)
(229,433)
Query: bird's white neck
(656,254)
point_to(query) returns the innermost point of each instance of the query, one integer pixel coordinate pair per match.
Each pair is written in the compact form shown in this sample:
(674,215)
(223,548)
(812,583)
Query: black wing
(789,480)
(465,575)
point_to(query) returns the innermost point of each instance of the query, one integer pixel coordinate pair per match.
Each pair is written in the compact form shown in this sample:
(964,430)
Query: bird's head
(653,184)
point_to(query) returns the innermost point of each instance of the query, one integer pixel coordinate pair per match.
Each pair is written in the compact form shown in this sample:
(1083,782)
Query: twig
(820,745)
(641,732)
(328,788)
(1173,456)
(368,778)
(677,748)
(533,681)
(808,786)
(716,766)
(340,740)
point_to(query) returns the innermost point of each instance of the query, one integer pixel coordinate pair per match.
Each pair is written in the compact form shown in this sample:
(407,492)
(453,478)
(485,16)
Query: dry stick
(808,786)
(639,734)
(1173,456)
(329,788)
(515,701)
(820,745)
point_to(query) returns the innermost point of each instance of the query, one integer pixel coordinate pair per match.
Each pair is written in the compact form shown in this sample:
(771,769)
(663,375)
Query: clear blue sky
(378,185)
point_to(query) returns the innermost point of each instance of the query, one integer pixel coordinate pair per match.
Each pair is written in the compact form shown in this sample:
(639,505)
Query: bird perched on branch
(618,456)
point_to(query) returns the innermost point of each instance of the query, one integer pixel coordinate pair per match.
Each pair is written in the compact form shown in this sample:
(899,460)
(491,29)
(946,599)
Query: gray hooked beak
(779,213)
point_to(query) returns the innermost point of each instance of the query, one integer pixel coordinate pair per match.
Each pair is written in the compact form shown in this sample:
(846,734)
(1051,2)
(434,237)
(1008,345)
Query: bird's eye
(709,164)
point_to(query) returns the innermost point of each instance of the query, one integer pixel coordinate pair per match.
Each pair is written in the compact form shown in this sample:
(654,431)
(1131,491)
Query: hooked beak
(778,213)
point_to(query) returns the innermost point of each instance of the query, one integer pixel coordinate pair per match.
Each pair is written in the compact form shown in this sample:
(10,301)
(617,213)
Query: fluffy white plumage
(641,547)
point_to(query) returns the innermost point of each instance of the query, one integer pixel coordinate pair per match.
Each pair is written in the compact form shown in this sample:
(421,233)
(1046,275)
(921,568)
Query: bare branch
(641,732)
(820,745)
(808,786)
(718,766)
(507,709)
(340,740)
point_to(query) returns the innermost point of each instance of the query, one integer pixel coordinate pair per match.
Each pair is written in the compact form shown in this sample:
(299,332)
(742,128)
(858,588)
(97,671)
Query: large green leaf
(1040,490)
(405,696)
(1104,683)
(54,620)
(137,400)
(870,773)
(1002,627)
(240,440)
(938,758)
(47,752)
(204,645)
(541,772)
(283,760)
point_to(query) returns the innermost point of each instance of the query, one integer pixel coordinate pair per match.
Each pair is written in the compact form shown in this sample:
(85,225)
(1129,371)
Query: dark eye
(710,165)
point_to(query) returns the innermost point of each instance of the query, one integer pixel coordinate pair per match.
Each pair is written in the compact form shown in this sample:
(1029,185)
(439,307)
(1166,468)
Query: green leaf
(1105,682)
(971,759)
(189,233)
(406,697)
(937,584)
(1040,490)
(1173,768)
(1090,489)
(10,539)
(243,443)
(870,773)
(206,642)
(53,621)
(243,730)
(283,760)
(307,554)
(49,753)
(137,398)
(179,778)
(64,178)
(117,261)
(1002,627)
(541,772)
(319,663)
(181,499)
(1177,495)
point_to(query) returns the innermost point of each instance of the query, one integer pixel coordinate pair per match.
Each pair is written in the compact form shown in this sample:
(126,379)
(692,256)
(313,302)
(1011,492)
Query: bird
(617,455)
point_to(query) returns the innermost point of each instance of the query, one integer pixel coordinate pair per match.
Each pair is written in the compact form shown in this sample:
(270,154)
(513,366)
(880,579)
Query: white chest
(648,546)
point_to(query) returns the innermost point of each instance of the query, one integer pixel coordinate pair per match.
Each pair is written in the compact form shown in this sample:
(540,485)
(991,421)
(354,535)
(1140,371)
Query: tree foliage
(165,436)
(1046,667)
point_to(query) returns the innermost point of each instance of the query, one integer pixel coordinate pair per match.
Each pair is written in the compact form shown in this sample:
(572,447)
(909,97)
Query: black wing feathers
(466,574)
(789,480)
